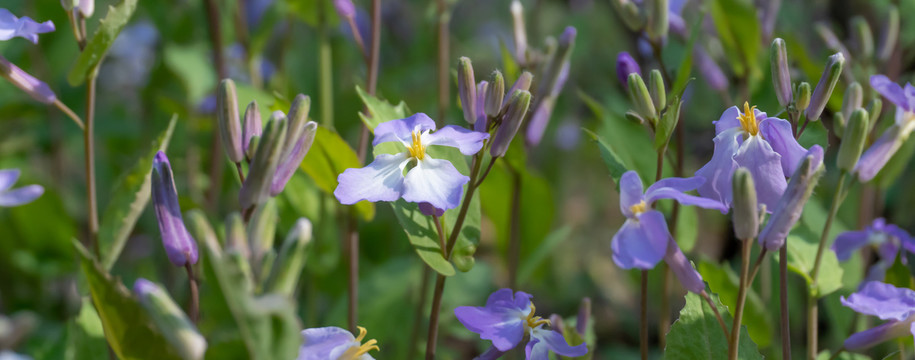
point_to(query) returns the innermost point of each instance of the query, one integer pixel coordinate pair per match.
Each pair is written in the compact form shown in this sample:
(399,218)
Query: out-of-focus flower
(764,145)
(35,88)
(434,181)
(335,343)
(170,319)
(345,8)
(505,320)
(24,27)
(897,305)
(644,239)
(880,152)
(710,70)
(626,65)
(131,58)
(255,10)
(888,239)
(179,245)
(16,197)
(86,8)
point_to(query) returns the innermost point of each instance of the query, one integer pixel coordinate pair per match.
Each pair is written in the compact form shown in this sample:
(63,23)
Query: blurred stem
(708,300)
(69,112)
(194,306)
(812,293)
(783,301)
(418,313)
(746,246)
(216,162)
(241,175)
(441,232)
(433,316)
(443,48)
(514,237)
(842,349)
(88,140)
(353,283)
(643,317)
(664,317)
(325,69)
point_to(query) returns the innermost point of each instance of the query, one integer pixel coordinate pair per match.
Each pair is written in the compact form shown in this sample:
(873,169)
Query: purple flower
(880,152)
(179,245)
(791,204)
(626,65)
(709,69)
(335,343)
(345,8)
(293,159)
(888,239)
(24,27)
(430,180)
(37,89)
(644,239)
(886,302)
(764,145)
(20,196)
(505,320)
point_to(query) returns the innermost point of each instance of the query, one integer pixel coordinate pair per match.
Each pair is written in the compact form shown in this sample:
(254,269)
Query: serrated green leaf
(379,110)
(611,159)
(97,47)
(697,335)
(129,330)
(129,198)
(329,156)
(85,336)
(739,31)
(723,280)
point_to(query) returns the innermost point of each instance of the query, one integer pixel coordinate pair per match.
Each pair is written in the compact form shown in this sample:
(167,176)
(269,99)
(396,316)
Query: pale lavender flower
(290,163)
(506,319)
(24,27)
(888,239)
(879,153)
(335,343)
(434,181)
(764,145)
(179,245)
(37,89)
(709,69)
(897,305)
(791,204)
(626,65)
(16,197)
(345,8)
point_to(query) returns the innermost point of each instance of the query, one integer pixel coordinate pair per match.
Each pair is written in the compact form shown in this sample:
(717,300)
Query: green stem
(741,298)
(325,69)
(643,317)
(89,140)
(813,295)
(514,237)
(783,301)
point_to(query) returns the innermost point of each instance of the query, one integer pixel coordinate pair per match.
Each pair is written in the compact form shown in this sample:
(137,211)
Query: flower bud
(853,99)
(790,206)
(584,316)
(824,88)
(658,24)
(262,231)
(252,148)
(626,65)
(874,107)
(802,96)
(641,99)
(345,8)
(171,321)
(296,122)
(853,140)
(229,123)
(519,31)
(657,90)
(511,122)
(482,123)
(557,324)
(467,86)
(781,77)
(634,117)
(252,127)
(256,188)
(495,95)
(745,206)
(290,163)
(68,5)
(890,34)
(291,260)
(523,83)
(863,36)
(539,121)
(179,245)
(236,237)
(87,8)
(35,88)
(553,72)
(838,123)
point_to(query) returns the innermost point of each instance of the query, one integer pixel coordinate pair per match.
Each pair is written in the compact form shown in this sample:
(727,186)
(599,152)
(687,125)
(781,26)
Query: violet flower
(179,245)
(764,145)
(430,180)
(506,319)
(879,153)
(16,197)
(24,27)
(644,239)
(886,302)
(888,239)
(335,343)
(626,65)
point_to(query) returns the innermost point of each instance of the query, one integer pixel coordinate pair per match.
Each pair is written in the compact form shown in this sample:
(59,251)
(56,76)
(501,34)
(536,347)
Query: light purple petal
(536,350)
(429,210)
(436,182)
(683,269)
(401,130)
(909,92)
(777,132)
(557,343)
(24,27)
(641,243)
(686,199)
(764,164)
(882,300)
(492,353)
(482,120)
(879,153)
(709,69)
(630,192)
(678,184)
(890,90)
(382,180)
(20,196)
(539,120)
(179,245)
(8,177)
(846,243)
(290,164)
(321,343)
(469,142)
(500,321)
(728,120)
(884,332)
(719,170)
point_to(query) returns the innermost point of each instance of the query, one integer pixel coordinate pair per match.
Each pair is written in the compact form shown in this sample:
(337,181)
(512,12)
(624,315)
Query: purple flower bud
(252,127)
(229,123)
(482,120)
(781,78)
(467,89)
(429,210)
(179,245)
(523,83)
(261,174)
(539,120)
(345,8)
(790,206)
(825,86)
(143,288)
(683,269)
(626,65)
(35,88)
(557,324)
(584,315)
(710,70)
(289,164)
(511,122)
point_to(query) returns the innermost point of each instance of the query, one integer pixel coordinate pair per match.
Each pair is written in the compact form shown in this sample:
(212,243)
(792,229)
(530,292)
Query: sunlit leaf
(97,47)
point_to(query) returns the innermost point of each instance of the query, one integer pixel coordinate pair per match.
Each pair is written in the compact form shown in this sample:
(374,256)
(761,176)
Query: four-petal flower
(886,302)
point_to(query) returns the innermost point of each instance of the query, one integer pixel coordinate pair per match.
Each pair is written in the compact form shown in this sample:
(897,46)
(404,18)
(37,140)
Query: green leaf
(611,159)
(542,252)
(739,31)
(686,65)
(85,336)
(129,198)
(89,60)
(687,231)
(801,256)
(697,335)
(379,110)
(313,12)
(329,156)
(723,281)
(667,124)
(128,328)
(192,64)
(826,355)
(422,233)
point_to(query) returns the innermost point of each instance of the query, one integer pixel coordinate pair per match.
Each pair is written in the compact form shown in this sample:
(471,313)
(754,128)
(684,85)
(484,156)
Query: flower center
(355,352)
(748,119)
(639,208)
(417,150)
(532,321)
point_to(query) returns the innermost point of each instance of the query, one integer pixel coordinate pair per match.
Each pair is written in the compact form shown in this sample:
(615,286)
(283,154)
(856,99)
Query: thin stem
(325,67)
(492,161)
(660,167)
(813,295)
(193,310)
(216,162)
(441,233)
(69,112)
(357,36)
(708,300)
(514,237)
(741,298)
(88,140)
(643,317)
(353,283)
(418,313)
(241,175)
(443,48)
(783,301)
(433,316)
(664,317)
(757,265)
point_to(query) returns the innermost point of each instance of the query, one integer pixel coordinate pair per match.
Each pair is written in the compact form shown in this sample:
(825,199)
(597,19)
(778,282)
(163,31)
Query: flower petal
(436,182)
(469,142)
(778,133)
(24,27)
(8,177)
(846,243)
(728,120)
(382,180)
(679,184)
(683,269)
(492,353)
(630,192)
(536,350)
(719,170)
(20,196)
(890,90)
(503,325)
(402,129)
(882,300)
(764,164)
(320,343)
(641,243)
(655,193)
(557,343)
(870,337)
(879,153)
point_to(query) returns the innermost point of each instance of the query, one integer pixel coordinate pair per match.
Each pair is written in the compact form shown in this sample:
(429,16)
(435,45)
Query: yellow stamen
(639,208)
(748,119)
(417,150)
(355,352)
(535,321)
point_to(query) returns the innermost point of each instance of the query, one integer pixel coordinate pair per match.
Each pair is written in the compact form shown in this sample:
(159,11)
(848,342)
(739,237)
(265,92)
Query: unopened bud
(853,99)
(863,36)
(495,95)
(641,99)
(523,83)
(890,34)
(630,14)
(745,205)
(838,122)
(824,88)
(657,90)
(467,87)
(345,8)
(291,162)
(482,123)
(256,188)
(626,65)
(790,206)
(296,122)
(252,148)
(874,107)
(35,88)
(463,256)
(781,77)
(853,140)
(557,324)
(519,31)
(658,24)
(710,70)
(251,128)
(832,41)
(584,316)
(236,237)
(511,122)
(634,117)
(171,321)
(87,8)
(229,123)
(291,260)
(179,245)
(802,96)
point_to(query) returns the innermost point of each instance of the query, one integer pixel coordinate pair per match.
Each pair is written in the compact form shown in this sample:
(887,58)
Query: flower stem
(353,283)
(514,237)
(69,112)
(433,316)
(842,349)
(813,295)
(783,301)
(194,307)
(741,298)
(643,317)
(88,140)
(418,313)
(241,175)
(216,161)
(708,300)
(443,49)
